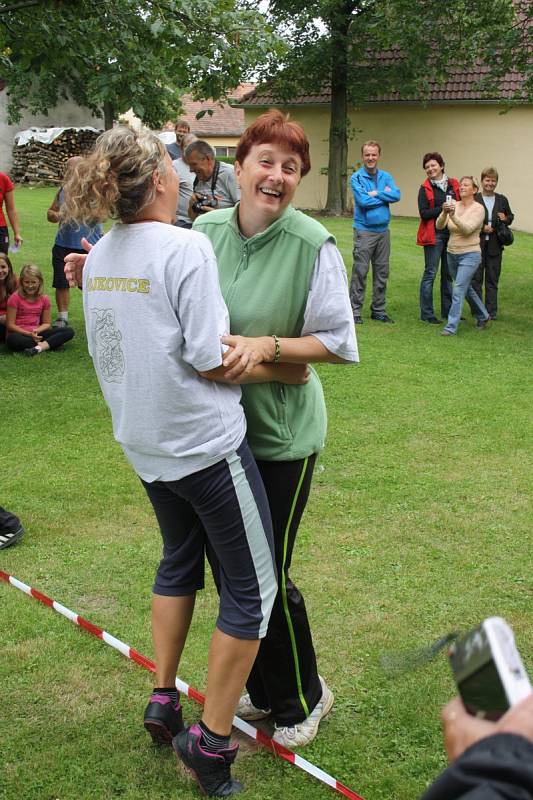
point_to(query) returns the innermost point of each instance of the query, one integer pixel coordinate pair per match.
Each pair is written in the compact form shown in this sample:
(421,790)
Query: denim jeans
(462,267)
(433,254)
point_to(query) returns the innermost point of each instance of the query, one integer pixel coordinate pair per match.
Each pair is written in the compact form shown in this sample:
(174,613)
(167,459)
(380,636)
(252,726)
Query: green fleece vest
(265,282)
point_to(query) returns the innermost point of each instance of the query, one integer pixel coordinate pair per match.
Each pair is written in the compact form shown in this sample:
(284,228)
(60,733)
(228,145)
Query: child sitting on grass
(8,284)
(28,319)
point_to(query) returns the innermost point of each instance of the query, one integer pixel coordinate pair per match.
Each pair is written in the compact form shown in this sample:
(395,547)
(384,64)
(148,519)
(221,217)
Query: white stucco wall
(66,114)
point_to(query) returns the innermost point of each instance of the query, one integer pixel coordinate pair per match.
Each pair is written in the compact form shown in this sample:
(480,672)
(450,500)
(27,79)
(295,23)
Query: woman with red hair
(284,282)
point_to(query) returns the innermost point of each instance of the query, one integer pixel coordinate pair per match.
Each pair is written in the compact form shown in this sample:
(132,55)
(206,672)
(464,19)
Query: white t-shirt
(154,317)
(328,311)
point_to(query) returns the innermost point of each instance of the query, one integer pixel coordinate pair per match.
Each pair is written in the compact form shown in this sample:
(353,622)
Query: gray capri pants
(227,505)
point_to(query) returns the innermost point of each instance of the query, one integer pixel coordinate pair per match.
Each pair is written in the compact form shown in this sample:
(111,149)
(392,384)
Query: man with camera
(488,760)
(215,185)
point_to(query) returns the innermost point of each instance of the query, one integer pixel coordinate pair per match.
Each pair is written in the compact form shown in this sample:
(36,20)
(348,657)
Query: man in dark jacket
(488,760)
(496,207)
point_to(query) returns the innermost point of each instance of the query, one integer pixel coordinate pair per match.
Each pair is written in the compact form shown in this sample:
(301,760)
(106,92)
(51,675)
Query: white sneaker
(247,710)
(304,732)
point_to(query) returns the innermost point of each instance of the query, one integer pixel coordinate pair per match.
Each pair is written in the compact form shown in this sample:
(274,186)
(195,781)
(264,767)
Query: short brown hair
(433,157)
(371,143)
(490,172)
(275,127)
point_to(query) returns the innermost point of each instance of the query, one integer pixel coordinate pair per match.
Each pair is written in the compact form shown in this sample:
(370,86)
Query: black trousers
(489,272)
(284,677)
(54,336)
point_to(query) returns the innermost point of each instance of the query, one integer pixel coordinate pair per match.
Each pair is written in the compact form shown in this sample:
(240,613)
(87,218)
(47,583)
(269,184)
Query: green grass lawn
(419,523)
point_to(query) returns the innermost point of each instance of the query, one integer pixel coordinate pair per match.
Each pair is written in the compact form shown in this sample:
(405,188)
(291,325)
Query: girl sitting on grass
(8,284)
(28,319)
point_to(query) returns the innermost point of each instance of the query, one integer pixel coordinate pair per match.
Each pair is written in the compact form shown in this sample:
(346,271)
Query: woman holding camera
(463,220)
(434,192)
(496,207)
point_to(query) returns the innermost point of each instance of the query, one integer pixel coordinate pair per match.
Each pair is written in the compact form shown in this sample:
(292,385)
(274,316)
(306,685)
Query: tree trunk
(338,137)
(108,115)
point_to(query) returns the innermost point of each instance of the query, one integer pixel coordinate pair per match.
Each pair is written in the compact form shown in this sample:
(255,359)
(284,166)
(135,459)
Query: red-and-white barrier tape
(134,655)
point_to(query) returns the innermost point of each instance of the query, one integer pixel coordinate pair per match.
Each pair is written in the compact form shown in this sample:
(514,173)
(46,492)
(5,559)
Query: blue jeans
(433,254)
(462,268)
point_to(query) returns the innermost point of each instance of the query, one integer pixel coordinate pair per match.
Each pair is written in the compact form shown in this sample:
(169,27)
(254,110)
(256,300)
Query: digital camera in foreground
(488,669)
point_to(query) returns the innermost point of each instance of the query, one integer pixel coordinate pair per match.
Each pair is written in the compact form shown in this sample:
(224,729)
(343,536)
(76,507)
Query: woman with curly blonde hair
(155,316)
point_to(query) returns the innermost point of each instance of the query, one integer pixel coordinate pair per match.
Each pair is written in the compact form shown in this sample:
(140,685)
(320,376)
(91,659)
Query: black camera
(204,200)
(488,670)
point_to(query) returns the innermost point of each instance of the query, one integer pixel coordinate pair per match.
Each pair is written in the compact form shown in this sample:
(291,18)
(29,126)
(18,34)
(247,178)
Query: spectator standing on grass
(28,320)
(7,196)
(68,240)
(374,190)
(186,178)
(496,208)
(431,196)
(215,180)
(181,129)
(464,220)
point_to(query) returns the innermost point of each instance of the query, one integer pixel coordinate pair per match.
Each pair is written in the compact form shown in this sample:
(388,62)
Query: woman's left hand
(245,353)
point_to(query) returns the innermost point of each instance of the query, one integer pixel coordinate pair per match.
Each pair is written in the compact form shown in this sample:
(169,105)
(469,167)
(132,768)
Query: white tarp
(46,135)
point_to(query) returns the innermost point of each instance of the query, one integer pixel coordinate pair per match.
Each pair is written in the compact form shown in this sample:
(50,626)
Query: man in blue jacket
(373,190)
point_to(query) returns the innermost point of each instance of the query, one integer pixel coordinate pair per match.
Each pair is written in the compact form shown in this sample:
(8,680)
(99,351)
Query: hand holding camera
(202,203)
(449,204)
(488,670)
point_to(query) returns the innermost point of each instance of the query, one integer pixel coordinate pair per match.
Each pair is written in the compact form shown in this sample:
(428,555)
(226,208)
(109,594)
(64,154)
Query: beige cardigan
(464,227)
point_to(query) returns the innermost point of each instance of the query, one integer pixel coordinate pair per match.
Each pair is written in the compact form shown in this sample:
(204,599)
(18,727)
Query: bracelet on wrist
(277,349)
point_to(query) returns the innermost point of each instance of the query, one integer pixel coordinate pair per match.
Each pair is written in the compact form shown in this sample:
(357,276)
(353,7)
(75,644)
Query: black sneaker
(211,770)
(357,319)
(163,719)
(31,351)
(381,317)
(481,324)
(433,320)
(8,538)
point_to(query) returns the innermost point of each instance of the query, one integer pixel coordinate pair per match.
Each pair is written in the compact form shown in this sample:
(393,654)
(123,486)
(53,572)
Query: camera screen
(483,692)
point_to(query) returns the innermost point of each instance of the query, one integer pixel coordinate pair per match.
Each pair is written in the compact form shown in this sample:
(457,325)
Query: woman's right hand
(74,264)
(449,208)
(295,374)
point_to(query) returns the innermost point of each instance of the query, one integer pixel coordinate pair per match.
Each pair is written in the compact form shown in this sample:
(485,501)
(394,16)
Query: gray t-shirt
(226,190)
(186,181)
(154,317)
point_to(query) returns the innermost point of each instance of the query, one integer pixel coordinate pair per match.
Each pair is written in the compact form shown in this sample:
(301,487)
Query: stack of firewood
(36,162)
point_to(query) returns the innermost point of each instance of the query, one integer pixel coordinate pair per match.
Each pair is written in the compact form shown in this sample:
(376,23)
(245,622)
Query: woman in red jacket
(431,196)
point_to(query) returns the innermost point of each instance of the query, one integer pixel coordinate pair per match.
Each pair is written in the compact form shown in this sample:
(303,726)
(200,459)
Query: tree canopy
(334,45)
(112,55)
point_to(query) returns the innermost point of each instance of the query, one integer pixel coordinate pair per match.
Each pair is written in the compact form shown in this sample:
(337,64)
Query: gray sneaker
(292,736)
(246,710)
